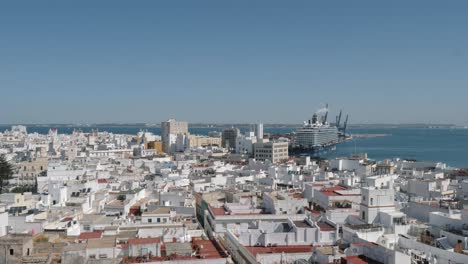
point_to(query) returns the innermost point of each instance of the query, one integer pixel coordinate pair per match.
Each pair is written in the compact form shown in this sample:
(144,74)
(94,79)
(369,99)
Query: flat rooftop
(363,226)
(279,249)
(302,224)
(324,226)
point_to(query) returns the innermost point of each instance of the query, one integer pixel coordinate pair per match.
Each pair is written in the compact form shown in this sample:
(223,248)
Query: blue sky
(233,61)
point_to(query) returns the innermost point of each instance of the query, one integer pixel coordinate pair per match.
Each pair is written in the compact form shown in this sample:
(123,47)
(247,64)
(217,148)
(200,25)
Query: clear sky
(233,61)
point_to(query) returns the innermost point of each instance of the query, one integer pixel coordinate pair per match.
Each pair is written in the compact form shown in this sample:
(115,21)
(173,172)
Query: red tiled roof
(279,249)
(330,193)
(218,211)
(102,180)
(334,188)
(355,260)
(325,226)
(90,235)
(141,241)
(206,248)
(297,196)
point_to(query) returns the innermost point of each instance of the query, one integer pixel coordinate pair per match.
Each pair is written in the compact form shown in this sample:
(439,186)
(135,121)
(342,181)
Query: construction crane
(338,119)
(345,124)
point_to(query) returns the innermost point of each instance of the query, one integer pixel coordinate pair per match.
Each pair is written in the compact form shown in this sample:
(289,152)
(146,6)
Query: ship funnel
(314,119)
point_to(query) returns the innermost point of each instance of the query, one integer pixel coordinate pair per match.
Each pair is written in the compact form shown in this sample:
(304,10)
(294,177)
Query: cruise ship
(317,135)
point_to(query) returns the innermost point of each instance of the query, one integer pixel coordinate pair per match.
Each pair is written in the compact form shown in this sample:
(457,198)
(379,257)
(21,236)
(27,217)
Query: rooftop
(363,226)
(90,235)
(358,260)
(279,249)
(106,242)
(142,241)
(161,210)
(302,224)
(327,250)
(324,226)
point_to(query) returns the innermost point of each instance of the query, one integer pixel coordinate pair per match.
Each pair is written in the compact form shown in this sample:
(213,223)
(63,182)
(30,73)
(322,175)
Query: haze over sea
(447,145)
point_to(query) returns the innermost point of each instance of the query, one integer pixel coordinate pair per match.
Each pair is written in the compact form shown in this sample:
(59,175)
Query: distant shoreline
(354,136)
(244,125)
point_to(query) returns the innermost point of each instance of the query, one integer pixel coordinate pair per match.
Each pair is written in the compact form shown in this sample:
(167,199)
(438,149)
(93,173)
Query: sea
(448,145)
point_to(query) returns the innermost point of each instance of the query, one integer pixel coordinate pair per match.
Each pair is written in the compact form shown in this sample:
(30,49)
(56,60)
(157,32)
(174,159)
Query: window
(150,220)
(102,256)
(12,251)
(371,201)
(158,220)
(363,215)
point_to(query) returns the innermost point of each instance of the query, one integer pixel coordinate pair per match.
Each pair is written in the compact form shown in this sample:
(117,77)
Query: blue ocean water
(424,144)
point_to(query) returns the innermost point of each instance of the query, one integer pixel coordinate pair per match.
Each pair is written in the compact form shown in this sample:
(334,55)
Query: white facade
(259,131)
(282,203)
(169,131)
(3,221)
(374,201)
(245,143)
(272,151)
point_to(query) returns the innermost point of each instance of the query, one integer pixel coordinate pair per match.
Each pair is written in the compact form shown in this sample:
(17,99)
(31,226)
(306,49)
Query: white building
(273,151)
(245,143)
(3,221)
(169,131)
(374,201)
(259,131)
(284,203)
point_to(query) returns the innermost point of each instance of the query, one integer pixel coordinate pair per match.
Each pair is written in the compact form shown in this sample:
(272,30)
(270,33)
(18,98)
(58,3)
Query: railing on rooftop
(366,227)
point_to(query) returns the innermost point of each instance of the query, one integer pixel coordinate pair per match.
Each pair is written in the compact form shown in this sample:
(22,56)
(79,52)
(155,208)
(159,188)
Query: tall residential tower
(170,130)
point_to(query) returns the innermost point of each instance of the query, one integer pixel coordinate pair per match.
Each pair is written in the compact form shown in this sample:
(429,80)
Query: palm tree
(6,172)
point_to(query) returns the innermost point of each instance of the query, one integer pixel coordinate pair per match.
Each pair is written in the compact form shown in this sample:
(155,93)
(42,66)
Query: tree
(6,172)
